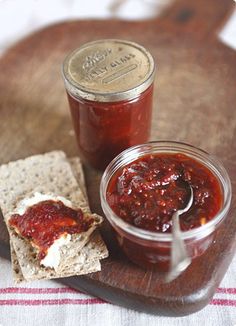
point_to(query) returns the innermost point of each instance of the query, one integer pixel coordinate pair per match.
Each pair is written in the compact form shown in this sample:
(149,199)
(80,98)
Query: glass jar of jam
(143,187)
(109,84)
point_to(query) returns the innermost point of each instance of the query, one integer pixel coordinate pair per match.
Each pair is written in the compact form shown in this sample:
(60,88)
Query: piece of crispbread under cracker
(46,173)
(57,177)
(78,172)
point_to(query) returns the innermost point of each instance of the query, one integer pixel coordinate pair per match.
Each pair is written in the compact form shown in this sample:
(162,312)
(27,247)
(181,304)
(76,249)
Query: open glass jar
(109,84)
(152,249)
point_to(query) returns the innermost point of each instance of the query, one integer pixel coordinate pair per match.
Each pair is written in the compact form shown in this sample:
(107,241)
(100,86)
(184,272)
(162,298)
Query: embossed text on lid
(108,70)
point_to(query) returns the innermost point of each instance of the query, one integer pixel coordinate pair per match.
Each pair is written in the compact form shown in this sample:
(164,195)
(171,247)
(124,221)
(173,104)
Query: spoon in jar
(179,257)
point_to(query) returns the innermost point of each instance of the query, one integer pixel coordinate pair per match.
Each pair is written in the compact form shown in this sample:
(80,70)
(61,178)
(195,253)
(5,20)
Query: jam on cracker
(47,221)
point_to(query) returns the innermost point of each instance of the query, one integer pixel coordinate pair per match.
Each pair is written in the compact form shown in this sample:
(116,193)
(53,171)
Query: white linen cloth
(48,302)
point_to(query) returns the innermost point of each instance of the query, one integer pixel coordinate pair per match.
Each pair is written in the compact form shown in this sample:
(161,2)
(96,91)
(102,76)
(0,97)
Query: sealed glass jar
(134,172)
(109,84)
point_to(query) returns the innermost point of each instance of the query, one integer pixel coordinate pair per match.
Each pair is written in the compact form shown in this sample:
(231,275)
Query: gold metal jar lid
(108,71)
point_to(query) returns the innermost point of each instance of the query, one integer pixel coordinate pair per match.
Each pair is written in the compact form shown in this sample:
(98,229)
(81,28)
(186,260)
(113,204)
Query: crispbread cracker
(76,265)
(46,173)
(77,170)
(97,241)
(16,270)
(91,253)
(52,164)
(93,250)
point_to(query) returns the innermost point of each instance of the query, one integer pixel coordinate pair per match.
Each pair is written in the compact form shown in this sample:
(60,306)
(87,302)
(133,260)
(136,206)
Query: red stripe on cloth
(12,302)
(15,290)
(226,290)
(70,290)
(38,290)
(223,302)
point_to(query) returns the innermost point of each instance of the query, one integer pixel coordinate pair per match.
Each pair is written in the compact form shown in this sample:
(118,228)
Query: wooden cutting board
(195,96)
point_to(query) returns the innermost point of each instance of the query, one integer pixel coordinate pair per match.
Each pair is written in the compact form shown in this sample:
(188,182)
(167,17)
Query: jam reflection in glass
(104,129)
(140,196)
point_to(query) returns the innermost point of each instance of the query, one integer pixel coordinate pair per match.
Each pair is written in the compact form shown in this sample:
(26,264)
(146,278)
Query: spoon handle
(179,257)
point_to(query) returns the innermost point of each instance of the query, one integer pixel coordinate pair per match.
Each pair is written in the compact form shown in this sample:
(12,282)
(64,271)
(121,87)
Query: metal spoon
(179,257)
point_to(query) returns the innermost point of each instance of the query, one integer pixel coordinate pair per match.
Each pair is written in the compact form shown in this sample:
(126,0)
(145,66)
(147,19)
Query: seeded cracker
(46,173)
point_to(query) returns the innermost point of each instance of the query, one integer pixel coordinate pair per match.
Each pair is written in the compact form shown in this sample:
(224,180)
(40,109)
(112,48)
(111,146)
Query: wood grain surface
(194,102)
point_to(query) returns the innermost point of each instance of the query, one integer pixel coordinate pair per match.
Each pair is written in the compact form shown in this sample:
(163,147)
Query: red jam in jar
(109,84)
(143,187)
(148,191)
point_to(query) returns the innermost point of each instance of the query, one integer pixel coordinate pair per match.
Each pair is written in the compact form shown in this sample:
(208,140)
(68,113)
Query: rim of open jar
(135,152)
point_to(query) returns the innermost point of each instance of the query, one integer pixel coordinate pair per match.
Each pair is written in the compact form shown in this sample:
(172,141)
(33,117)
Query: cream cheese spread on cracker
(53,256)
